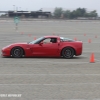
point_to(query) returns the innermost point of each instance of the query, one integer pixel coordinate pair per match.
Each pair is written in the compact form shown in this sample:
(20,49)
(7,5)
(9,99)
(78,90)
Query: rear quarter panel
(76,45)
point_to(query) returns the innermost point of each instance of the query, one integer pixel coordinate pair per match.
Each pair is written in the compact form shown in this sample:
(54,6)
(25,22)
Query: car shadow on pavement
(75,57)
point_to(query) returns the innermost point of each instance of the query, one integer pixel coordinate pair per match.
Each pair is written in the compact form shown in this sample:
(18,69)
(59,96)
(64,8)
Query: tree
(79,12)
(67,14)
(73,14)
(93,13)
(58,12)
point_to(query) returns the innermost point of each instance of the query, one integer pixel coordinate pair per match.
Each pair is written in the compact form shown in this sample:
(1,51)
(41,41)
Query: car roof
(51,36)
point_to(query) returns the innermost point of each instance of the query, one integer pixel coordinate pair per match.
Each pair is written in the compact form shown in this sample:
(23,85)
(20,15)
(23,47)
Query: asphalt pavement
(51,78)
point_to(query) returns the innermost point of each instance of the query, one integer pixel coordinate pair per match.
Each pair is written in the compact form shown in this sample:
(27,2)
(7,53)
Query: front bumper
(5,52)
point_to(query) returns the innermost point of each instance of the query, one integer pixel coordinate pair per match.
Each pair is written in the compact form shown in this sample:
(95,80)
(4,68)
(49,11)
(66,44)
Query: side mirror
(41,43)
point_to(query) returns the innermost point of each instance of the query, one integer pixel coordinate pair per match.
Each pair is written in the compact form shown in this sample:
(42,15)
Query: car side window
(46,41)
(50,40)
(53,40)
(61,40)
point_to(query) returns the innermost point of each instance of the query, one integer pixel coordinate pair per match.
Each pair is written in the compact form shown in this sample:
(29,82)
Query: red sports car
(47,46)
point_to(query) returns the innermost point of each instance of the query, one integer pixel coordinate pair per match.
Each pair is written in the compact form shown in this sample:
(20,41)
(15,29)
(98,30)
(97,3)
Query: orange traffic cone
(84,34)
(29,35)
(92,58)
(89,41)
(75,39)
(34,38)
(95,36)
(22,33)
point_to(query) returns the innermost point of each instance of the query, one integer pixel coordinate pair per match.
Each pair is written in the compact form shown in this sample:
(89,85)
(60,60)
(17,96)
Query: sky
(49,5)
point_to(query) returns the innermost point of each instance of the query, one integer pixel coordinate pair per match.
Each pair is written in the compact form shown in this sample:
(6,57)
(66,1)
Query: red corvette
(47,46)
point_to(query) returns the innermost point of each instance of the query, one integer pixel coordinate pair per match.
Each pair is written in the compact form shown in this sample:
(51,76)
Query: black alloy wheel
(17,52)
(68,53)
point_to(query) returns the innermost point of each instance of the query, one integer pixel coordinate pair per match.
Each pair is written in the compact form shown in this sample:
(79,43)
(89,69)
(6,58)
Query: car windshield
(37,40)
(65,39)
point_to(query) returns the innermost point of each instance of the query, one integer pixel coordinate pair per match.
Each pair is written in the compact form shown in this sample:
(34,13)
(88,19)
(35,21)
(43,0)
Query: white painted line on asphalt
(97,60)
(56,62)
(63,62)
(88,57)
(83,55)
(52,84)
(69,99)
(66,99)
(50,74)
(91,51)
(90,43)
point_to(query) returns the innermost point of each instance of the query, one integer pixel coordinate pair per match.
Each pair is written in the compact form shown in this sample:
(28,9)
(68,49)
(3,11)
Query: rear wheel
(68,53)
(17,52)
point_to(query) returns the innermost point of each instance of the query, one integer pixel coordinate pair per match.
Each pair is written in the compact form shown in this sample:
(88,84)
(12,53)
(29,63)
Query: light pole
(20,8)
(14,7)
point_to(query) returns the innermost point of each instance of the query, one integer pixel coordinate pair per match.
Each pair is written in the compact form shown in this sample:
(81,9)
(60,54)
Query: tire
(17,52)
(68,53)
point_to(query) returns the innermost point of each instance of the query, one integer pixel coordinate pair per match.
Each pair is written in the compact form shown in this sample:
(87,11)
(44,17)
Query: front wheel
(17,52)
(68,53)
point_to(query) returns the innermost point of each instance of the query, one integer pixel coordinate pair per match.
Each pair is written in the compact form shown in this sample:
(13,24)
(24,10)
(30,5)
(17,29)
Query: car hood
(16,44)
(19,43)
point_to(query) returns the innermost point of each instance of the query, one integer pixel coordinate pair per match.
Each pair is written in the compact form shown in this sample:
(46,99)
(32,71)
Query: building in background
(27,14)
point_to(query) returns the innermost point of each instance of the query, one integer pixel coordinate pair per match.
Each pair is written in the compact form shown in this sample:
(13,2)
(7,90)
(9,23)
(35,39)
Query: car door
(46,48)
